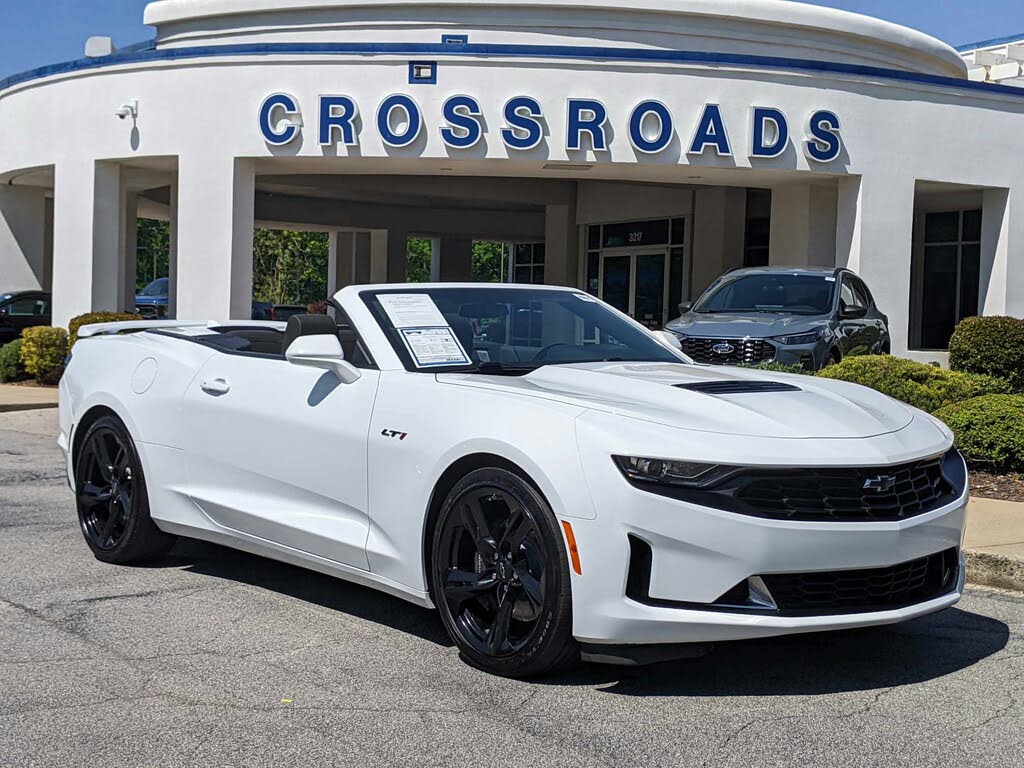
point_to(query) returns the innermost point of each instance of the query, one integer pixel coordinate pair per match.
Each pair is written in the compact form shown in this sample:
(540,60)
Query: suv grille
(744,351)
(863,591)
(843,495)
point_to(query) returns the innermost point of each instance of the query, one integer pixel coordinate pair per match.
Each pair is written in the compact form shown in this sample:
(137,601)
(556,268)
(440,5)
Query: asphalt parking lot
(223,659)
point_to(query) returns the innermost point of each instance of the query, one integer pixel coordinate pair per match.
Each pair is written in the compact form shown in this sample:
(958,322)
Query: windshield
(505,330)
(789,293)
(156,288)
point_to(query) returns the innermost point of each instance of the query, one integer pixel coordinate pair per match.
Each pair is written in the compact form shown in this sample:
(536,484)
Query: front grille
(847,495)
(867,590)
(148,311)
(832,495)
(743,351)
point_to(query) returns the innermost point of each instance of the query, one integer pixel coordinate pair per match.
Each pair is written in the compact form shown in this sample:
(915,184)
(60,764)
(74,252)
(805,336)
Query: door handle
(216,387)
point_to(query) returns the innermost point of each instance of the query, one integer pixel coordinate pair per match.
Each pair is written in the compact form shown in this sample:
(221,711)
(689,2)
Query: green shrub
(992,346)
(43,351)
(93,318)
(923,386)
(778,368)
(11,368)
(989,430)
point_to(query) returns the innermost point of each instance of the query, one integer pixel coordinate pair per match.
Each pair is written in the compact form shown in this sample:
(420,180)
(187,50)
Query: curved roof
(865,30)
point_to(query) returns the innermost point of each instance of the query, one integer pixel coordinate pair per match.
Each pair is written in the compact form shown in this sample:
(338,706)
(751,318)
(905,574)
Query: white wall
(23,239)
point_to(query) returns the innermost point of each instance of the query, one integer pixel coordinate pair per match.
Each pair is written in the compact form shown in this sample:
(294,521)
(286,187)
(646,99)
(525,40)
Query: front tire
(500,576)
(110,493)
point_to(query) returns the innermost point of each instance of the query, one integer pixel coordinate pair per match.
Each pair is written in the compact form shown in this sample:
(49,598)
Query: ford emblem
(723,349)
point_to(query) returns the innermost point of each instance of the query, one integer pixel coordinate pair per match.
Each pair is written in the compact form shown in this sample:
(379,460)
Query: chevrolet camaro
(558,481)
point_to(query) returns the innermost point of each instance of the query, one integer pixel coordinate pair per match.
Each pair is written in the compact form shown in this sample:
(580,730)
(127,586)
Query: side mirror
(668,339)
(323,352)
(685,307)
(852,313)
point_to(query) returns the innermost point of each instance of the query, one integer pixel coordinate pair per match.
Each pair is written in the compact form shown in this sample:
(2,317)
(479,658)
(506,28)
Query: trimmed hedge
(43,351)
(992,346)
(778,368)
(97,317)
(923,386)
(989,430)
(11,368)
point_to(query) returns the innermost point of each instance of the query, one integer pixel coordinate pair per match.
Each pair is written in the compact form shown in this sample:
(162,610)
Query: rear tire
(111,497)
(500,577)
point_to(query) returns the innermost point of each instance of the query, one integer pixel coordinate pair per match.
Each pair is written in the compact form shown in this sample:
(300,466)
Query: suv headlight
(804,338)
(690,474)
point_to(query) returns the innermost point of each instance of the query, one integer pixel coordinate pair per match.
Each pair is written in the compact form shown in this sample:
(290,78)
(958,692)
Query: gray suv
(804,316)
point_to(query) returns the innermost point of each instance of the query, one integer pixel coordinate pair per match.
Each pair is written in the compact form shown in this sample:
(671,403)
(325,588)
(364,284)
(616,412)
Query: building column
(719,227)
(130,251)
(874,238)
(23,238)
(341,261)
(364,247)
(804,225)
(215,237)
(389,255)
(562,245)
(1002,254)
(172,252)
(87,240)
(451,260)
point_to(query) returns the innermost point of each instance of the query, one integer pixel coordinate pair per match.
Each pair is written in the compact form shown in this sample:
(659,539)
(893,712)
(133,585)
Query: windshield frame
(521,368)
(726,280)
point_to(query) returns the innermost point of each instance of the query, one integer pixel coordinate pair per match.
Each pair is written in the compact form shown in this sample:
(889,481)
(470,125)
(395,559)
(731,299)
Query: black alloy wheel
(110,491)
(501,578)
(105,489)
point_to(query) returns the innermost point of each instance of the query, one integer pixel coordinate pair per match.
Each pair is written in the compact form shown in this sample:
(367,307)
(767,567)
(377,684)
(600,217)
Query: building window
(526,262)
(949,275)
(758,229)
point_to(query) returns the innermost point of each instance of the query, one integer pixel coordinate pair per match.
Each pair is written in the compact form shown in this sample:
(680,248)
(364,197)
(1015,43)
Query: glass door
(636,283)
(649,290)
(616,282)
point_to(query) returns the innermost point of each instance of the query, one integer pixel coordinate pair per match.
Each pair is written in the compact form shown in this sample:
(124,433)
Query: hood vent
(738,387)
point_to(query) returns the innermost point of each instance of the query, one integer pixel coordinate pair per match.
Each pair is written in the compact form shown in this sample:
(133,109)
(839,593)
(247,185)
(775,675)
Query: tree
(289,267)
(153,251)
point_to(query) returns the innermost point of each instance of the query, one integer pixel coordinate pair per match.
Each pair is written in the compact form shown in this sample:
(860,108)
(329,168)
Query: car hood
(759,325)
(150,299)
(816,408)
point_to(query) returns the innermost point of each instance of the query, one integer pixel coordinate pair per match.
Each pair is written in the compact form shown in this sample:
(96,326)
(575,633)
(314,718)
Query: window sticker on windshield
(830,279)
(412,310)
(434,347)
(585,297)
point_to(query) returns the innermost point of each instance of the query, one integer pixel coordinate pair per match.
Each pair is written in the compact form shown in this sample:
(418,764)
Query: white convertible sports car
(550,475)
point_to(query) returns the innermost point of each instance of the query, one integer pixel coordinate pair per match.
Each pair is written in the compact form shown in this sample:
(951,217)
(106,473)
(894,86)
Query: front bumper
(699,554)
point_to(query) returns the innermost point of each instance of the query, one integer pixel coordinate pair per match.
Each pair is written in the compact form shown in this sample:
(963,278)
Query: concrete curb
(987,570)
(11,408)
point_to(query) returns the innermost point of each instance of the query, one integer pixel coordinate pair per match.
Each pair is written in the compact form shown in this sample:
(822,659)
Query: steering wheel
(543,354)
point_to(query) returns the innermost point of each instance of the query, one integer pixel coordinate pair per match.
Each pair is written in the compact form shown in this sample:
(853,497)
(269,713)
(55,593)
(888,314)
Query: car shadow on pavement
(335,594)
(815,664)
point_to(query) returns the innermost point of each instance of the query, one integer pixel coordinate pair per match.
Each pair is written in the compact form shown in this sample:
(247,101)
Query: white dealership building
(634,148)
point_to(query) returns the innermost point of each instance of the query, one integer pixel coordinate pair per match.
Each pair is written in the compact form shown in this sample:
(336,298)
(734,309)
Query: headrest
(308,325)
(463,330)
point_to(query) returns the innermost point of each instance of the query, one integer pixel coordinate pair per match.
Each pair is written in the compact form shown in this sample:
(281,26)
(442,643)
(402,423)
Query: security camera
(131,109)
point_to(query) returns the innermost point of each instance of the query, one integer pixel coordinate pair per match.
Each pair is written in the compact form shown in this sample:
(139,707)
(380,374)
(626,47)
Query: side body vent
(738,387)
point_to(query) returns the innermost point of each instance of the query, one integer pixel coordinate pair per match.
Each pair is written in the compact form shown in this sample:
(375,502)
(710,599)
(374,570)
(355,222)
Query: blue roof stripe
(149,52)
(989,43)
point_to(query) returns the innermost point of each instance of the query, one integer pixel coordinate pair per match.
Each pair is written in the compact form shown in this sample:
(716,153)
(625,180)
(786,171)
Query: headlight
(804,338)
(690,474)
